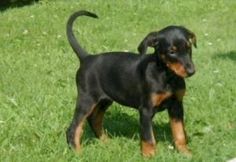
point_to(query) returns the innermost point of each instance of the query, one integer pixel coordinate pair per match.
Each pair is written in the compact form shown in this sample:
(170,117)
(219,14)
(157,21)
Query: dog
(149,83)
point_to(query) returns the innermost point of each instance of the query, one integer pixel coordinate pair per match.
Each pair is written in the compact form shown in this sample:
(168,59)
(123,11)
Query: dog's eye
(172,52)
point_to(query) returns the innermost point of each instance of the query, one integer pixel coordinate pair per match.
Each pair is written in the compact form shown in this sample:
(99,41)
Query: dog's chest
(158,98)
(164,92)
(164,86)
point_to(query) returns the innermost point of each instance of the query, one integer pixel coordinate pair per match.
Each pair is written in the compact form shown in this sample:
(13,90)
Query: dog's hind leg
(95,119)
(84,107)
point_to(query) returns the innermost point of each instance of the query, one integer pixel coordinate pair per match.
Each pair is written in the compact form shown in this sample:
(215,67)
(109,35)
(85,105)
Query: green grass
(37,72)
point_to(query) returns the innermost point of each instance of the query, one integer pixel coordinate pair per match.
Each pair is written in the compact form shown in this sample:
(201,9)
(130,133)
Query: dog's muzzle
(190,69)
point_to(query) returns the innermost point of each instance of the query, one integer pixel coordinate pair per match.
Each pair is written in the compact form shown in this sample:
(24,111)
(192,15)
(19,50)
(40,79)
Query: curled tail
(80,52)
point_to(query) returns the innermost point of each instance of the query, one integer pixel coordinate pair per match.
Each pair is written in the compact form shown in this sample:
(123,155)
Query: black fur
(137,81)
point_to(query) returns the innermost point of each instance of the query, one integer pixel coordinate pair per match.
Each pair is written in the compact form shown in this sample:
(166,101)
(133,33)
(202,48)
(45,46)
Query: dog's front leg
(176,115)
(148,142)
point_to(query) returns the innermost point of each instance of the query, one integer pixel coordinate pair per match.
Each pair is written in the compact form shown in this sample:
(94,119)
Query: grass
(37,71)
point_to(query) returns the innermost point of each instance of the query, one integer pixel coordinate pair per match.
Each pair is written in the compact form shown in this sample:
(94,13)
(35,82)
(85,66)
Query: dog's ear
(151,40)
(192,39)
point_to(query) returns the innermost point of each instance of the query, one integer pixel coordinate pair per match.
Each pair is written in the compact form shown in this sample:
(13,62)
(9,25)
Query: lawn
(38,92)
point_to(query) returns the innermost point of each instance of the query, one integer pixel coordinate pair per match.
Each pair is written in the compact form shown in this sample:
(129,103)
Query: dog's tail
(80,52)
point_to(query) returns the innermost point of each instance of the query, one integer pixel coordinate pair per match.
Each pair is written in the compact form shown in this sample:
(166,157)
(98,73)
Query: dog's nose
(190,72)
(190,69)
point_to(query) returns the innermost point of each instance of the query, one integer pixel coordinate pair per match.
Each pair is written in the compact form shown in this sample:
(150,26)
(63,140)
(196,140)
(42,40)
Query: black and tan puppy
(148,83)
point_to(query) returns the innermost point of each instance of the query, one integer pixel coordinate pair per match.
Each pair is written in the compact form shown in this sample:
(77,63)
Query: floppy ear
(151,40)
(192,39)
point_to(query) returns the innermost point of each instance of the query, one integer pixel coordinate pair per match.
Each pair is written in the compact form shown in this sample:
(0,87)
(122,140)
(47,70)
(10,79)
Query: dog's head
(173,45)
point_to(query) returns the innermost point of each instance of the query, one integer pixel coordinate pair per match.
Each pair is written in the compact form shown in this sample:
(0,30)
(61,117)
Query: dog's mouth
(181,70)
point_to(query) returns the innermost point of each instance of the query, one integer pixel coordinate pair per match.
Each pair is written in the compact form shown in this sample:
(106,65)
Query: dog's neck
(152,64)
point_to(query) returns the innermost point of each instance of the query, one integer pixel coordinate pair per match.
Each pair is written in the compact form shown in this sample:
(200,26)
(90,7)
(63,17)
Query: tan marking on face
(148,149)
(178,69)
(158,98)
(174,48)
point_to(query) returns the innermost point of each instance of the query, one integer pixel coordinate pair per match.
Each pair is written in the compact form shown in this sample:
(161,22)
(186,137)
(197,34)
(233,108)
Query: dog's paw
(184,151)
(148,149)
(104,138)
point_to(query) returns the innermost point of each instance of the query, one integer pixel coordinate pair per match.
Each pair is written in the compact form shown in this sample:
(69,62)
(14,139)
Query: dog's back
(112,74)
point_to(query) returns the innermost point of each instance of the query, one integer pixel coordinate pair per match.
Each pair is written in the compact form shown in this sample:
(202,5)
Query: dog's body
(144,82)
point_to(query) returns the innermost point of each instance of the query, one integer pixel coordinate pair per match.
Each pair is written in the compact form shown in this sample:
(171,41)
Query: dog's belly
(130,101)
(124,98)
(125,94)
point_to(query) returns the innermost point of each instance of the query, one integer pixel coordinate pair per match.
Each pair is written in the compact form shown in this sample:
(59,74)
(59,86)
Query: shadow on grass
(123,125)
(6,4)
(228,55)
